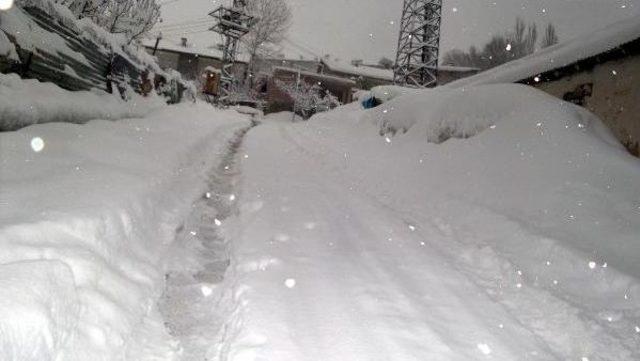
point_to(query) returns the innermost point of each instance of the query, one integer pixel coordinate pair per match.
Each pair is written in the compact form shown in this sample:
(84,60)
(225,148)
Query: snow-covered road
(491,223)
(348,246)
(329,273)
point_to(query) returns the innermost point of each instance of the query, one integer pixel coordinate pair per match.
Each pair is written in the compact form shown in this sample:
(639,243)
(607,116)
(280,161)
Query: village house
(365,76)
(599,71)
(189,59)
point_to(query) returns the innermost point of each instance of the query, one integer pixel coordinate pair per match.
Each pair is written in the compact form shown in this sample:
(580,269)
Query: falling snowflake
(206,291)
(290,283)
(484,348)
(37,144)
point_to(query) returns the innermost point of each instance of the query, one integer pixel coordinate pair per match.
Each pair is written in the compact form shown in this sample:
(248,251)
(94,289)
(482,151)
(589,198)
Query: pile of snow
(87,217)
(438,115)
(25,101)
(385,93)
(515,239)
(582,47)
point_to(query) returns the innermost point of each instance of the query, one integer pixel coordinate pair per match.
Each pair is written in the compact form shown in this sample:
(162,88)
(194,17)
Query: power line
(185,33)
(184,25)
(301,47)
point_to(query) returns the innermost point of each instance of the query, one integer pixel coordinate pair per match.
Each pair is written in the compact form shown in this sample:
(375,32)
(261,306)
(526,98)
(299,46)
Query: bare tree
(273,19)
(550,36)
(519,42)
(133,18)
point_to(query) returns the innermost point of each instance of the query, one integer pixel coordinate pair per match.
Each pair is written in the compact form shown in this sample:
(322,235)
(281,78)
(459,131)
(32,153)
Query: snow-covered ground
(28,101)
(88,217)
(504,225)
(491,222)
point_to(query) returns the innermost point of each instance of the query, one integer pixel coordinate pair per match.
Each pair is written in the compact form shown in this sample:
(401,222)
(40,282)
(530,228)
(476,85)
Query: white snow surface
(515,239)
(490,222)
(557,56)
(88,215)
(29,101)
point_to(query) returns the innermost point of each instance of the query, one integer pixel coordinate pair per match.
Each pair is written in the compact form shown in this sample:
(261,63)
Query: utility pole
(232,23)
(419,44)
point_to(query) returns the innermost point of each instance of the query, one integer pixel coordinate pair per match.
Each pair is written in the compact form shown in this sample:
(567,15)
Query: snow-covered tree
(308,99)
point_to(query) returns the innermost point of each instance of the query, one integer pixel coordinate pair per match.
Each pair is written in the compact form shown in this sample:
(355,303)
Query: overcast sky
(368,29)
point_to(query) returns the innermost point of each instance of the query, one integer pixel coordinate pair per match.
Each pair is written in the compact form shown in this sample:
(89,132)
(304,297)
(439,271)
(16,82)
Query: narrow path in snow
(200,260)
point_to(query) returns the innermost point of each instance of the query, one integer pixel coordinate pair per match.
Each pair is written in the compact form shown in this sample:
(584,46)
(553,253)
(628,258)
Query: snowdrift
(441,114)
(87,215)
(529,197)
(27,101)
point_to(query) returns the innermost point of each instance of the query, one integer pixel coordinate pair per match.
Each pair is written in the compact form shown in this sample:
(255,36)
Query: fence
(82,63)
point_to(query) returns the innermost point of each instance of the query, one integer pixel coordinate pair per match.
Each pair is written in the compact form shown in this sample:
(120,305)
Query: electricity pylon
(419,44)
(232,23)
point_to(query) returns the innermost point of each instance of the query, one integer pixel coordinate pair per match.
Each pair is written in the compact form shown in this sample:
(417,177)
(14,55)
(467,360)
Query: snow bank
(515,239)
(87,215)
(384,93)
(25,102)
(438,115)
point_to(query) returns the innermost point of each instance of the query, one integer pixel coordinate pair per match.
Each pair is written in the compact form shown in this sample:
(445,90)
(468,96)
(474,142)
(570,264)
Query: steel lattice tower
(232,23)
(419,44)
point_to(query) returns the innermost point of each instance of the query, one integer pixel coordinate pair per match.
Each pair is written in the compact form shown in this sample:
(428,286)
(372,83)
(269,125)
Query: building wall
(615,98)
(166,60)
(191,66)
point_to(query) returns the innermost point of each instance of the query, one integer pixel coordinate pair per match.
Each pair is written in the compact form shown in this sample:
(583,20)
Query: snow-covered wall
(43,40)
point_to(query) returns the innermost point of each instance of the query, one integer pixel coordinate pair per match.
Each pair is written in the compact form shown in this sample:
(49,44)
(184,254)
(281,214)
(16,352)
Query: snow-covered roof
(362,70)
(457,69)
(560,55)
(173,45)
(312,74)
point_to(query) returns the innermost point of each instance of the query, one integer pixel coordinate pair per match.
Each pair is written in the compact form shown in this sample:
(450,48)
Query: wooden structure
(211,82)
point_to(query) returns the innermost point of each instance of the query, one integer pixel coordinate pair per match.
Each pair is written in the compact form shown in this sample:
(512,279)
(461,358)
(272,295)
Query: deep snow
(491,222)
(28,101)
(502,225)
(88,214)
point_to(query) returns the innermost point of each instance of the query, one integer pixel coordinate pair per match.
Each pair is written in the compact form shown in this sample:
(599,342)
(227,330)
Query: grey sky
(367,29)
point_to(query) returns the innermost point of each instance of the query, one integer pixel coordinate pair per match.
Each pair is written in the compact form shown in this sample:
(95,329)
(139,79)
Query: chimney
(183,42)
